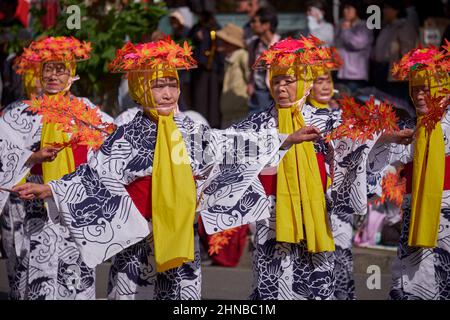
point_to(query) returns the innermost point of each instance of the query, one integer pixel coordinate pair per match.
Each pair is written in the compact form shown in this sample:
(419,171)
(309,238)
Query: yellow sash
(428,177)
(173,185)
(300,198)
(64,162)
(317,72)
(317,104)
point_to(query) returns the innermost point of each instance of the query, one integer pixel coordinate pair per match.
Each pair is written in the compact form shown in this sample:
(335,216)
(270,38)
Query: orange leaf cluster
(361,122)
(436,108)
(63,145)
(302,51)
(219,240)
(52,49)
(145,56)
(393,189)
(74,117)
(429,58)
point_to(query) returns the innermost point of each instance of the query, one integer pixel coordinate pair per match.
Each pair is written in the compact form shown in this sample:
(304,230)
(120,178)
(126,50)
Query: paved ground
(235,283)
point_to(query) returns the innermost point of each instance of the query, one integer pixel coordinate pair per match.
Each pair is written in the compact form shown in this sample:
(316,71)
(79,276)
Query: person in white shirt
(317,25)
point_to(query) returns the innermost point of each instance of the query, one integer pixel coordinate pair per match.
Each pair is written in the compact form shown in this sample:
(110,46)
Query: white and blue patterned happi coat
(94,204)
(284,270)
(417,273)
(43,262)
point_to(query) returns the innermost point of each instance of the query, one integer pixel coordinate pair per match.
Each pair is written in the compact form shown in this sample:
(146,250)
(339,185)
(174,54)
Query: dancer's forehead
(284,77)
(323,77)
(54,65)
(164,81)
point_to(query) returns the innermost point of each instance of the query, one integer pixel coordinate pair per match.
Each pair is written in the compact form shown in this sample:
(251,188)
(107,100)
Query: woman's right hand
(308,133)
(405,137)
(46,154)
(31,191)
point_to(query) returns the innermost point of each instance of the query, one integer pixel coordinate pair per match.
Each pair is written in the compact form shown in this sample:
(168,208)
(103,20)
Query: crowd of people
(166,179)
(368,52)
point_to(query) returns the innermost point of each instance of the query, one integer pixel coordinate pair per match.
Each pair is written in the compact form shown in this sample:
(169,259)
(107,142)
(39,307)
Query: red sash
(140,192)
(407,172)
(269,182)
(231,253)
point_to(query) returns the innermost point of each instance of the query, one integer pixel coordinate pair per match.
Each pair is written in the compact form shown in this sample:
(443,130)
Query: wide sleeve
(93,203)
(349,186)
(232,195)
(19,135)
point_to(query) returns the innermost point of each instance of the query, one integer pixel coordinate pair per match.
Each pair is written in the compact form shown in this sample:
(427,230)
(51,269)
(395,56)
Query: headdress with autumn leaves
(60,49)
(305,58)
(173,187)
(295,52)
(153,55)
(69,114)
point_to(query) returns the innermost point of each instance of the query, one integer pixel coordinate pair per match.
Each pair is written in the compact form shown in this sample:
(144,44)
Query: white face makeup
(165,92)
(284,90)
(55,77)
(418,94)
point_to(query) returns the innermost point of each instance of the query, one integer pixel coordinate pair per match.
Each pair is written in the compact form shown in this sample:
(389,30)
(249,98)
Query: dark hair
(268,15)
(397,5)
(321,5)
(359,7)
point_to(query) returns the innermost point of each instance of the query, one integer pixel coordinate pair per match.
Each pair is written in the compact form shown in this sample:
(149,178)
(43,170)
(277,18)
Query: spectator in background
(179,30)
(411,14)
(249,7)
(317,25)
(180,33)
(233,102)
(396,38)
(264,25)
(354,42)
(208,76)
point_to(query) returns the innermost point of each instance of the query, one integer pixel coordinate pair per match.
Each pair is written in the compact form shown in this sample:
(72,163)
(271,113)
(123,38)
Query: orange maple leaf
(436,110)
(219,240)
(393,189)
(361,122)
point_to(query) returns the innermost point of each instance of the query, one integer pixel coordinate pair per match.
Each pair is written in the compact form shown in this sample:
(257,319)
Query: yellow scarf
(173,186)
(428,175)
(64,162)
(300,207)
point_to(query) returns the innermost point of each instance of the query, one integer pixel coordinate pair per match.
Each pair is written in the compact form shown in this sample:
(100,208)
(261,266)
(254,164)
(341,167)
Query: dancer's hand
(31,191)
(46,154)
(308,133)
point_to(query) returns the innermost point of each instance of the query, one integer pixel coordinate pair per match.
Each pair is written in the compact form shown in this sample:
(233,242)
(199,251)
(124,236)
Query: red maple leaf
(436,110)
